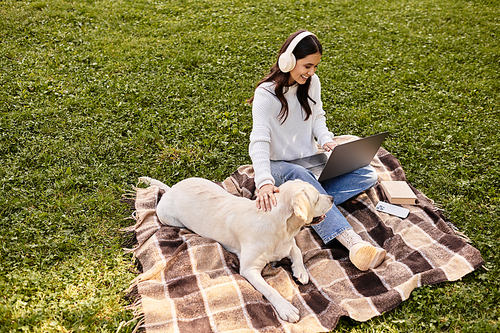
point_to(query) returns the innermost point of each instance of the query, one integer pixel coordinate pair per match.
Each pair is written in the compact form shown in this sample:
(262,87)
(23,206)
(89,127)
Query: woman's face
(304,68)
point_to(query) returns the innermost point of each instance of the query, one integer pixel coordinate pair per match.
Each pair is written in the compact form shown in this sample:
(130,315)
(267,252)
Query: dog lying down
(257,237)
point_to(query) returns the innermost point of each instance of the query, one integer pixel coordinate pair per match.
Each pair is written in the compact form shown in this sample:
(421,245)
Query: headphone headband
(286,61)
(296,40)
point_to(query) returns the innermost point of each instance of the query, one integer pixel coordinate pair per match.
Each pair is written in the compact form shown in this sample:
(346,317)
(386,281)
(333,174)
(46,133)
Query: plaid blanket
(191,284)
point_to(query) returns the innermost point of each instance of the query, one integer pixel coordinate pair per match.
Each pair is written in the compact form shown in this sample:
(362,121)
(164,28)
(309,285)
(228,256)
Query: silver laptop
(344,158)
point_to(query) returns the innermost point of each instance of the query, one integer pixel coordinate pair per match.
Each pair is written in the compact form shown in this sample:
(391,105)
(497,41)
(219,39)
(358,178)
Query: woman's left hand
(329,145)
(265,198)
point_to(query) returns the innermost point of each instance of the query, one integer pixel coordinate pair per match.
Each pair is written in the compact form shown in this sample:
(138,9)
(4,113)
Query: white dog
(257,237)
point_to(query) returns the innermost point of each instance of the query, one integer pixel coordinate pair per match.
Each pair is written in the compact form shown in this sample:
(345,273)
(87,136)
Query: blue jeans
(341,188)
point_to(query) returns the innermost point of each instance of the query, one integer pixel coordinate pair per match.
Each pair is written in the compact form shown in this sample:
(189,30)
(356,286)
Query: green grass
(94,94)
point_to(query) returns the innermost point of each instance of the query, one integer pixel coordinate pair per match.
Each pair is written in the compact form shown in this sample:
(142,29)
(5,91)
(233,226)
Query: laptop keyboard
(316,170)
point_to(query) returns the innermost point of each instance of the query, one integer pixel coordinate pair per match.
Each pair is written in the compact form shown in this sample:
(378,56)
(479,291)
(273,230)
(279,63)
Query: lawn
(94,94)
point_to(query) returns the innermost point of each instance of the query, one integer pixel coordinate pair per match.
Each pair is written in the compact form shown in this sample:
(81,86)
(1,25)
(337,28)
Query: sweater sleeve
(320,130)
(260,138)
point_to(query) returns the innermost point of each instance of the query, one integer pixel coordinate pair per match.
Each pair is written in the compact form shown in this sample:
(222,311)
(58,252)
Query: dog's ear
(302,206)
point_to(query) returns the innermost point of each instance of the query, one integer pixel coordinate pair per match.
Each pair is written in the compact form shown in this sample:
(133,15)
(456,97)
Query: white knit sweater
(293,139)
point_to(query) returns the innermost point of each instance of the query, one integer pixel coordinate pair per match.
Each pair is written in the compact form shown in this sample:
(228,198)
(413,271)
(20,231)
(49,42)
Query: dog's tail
(151,181)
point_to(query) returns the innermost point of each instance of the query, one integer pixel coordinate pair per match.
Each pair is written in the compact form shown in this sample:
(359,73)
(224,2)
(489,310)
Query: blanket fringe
(450,224)
(137,327)
(136,308)
(141,322)
(139,316)
(139,219)
(129,198)
(132,250)
(132,227)
(129,239)
(459,233)
(130,194)
(149,274)
(133,296)
(441,211)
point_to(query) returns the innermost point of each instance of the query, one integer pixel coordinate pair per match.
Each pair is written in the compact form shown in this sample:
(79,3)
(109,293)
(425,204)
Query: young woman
(288,122)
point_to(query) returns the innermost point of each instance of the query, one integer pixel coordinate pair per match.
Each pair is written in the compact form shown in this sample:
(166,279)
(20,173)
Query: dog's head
(307,205)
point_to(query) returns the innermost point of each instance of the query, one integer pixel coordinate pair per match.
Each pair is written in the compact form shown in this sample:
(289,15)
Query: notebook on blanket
(191,284)
(344,158)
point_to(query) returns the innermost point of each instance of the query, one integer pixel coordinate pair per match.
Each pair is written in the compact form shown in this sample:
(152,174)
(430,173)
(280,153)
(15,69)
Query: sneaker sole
(366,256)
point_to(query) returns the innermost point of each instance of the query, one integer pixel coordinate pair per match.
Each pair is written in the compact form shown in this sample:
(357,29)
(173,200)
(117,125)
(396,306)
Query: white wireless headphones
(287,61)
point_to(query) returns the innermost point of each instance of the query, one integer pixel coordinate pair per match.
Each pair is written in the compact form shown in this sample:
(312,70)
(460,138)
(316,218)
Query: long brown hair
(308,45)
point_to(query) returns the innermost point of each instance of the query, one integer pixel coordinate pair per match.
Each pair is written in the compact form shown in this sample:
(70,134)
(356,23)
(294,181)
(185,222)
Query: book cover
(398,192)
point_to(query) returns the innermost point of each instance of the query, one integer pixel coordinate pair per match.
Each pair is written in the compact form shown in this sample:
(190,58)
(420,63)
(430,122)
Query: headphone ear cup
(286,62)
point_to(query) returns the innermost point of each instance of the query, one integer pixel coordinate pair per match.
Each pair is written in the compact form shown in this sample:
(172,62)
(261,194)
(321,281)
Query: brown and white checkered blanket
(191,284)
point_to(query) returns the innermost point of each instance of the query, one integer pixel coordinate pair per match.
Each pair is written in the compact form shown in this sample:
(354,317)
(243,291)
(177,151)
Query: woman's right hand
(266,198)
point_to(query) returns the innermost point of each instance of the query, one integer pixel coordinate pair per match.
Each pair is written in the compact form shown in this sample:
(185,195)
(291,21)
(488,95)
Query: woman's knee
(298,172)
(370,176)
(283,171)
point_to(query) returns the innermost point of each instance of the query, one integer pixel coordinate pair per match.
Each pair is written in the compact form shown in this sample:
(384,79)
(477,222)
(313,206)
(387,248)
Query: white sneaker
(366,256)
(361,253)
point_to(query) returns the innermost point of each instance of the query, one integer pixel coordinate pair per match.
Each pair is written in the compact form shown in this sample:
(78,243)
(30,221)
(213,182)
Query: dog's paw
(301,274)
(287,311)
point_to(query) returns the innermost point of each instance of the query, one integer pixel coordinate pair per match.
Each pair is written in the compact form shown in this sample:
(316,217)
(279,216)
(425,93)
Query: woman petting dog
(288,118)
